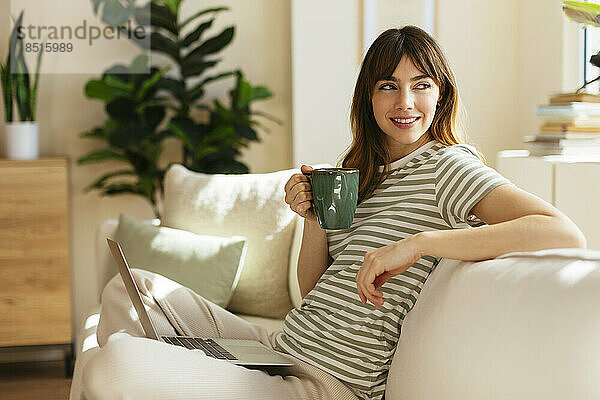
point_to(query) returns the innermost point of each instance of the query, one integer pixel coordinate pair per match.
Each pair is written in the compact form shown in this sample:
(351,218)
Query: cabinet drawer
(35,294)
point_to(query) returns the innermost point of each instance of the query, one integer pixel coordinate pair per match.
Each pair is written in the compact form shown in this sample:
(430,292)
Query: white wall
(325,63)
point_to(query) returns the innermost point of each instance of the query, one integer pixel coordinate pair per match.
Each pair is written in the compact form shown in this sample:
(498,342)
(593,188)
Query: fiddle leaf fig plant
(131,133)
(211,134)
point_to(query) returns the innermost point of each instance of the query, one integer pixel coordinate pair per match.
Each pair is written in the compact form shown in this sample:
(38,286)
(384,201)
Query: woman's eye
(423,85)
(386,86)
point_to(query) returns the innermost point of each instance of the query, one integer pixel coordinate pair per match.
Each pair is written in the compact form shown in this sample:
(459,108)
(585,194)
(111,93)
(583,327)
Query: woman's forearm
(314,256)
(528,233)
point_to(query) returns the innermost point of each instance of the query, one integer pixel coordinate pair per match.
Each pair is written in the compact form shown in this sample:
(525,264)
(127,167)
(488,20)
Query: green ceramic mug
(335,195)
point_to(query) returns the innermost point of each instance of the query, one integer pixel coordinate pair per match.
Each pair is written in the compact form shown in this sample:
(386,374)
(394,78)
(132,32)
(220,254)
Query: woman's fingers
(298,184)
(298,194)
(375,299)
(365,281)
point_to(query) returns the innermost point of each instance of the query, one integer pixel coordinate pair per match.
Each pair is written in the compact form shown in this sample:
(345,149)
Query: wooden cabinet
(569,184)
(35,290)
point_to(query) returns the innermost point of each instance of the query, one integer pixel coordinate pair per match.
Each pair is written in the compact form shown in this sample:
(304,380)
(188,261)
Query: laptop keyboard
(208,346)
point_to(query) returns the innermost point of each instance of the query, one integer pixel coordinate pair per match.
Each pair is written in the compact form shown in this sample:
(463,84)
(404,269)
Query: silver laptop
(249,353)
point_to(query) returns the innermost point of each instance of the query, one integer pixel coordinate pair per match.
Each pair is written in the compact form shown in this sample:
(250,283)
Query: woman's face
(404,105)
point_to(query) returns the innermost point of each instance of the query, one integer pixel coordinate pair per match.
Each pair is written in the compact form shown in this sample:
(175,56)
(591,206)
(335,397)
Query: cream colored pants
(130,366)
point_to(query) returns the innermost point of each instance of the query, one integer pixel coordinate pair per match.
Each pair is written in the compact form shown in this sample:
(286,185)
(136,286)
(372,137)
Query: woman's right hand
(298,194)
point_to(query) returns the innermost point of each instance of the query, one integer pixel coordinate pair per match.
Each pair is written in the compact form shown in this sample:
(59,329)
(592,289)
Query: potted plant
(19,88)
(587,14)
(211,142)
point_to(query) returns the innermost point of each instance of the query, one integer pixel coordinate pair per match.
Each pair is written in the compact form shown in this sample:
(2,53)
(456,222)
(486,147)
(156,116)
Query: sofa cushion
(521,326)
(209,265)
(250,205)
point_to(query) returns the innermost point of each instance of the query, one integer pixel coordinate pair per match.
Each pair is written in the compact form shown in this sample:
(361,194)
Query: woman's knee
(111,372)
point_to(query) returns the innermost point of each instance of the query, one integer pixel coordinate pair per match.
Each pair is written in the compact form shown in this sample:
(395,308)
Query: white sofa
(522,326)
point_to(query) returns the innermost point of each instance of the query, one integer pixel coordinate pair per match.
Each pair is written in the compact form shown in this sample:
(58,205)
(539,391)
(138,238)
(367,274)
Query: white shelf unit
(571,184)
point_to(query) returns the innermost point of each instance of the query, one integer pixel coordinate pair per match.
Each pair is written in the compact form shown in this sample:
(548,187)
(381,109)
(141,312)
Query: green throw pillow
(209,265)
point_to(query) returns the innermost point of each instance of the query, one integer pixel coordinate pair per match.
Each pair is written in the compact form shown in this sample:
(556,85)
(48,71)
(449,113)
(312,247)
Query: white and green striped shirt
(432,188)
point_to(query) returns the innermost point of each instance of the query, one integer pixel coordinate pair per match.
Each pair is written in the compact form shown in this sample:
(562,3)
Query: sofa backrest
(521,326)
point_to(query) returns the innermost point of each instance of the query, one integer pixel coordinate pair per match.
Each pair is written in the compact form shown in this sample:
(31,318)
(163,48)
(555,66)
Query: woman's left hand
(383,263)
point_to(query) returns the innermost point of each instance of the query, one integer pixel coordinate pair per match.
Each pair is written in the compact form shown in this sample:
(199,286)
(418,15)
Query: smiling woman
(422,190)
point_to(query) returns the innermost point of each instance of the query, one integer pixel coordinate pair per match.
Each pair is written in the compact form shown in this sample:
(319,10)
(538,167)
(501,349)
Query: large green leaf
(162,17)
(183,129)
(246,132)
(129,136)
(101,155)
(198,90)
(7,89)
(242,95)
(33,90)
(197,33)
(21,85)
(261,92)
(174,86)
(196,66)
(163,44)
(99,183)
(200,13)
(122,188)
(119,71)
(153,116)
(100,90)
(214,44)
(115,82)
(14,40)
(96,133)
(173,5)
(149,83)
(21,82)
(121,109)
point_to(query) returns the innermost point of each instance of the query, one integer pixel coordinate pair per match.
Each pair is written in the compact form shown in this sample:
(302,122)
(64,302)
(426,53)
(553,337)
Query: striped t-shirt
(432,188)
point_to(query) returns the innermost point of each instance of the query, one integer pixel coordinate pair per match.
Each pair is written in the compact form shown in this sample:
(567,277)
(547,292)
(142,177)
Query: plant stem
(587,83)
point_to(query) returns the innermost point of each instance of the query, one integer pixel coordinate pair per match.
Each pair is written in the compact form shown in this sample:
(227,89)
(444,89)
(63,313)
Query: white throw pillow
(209,265)
(248,205)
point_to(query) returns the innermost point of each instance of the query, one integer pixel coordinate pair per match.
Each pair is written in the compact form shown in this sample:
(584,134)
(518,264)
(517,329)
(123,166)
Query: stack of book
(570,126)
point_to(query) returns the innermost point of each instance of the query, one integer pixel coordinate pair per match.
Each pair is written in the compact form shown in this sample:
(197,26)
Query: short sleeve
(461,180)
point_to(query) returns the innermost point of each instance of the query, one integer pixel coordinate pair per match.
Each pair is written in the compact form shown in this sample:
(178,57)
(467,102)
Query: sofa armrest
(293,285)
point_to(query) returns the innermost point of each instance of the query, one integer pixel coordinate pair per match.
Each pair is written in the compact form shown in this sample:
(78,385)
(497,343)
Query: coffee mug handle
(309,176)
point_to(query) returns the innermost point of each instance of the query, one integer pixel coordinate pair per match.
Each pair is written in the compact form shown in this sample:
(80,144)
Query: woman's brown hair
(368,149)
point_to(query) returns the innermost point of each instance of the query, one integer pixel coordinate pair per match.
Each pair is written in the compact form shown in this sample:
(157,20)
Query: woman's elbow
(579,239)
(573,235)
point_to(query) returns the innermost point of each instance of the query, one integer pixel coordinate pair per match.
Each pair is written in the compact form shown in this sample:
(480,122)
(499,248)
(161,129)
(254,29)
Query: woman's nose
(404,100)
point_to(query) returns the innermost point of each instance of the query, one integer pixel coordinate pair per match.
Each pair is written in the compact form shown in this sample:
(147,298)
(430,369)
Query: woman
(419,194)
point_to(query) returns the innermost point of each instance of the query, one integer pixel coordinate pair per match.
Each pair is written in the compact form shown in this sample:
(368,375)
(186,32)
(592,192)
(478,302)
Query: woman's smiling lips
(405,123)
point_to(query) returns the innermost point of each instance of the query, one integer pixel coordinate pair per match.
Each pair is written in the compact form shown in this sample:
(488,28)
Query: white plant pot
(21,139)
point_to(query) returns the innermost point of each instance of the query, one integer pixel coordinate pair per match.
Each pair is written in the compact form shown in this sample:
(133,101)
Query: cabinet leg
(69,361)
